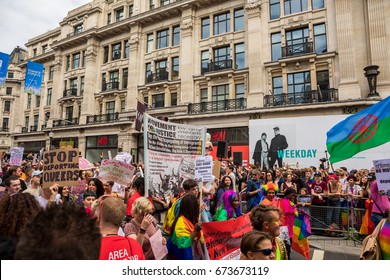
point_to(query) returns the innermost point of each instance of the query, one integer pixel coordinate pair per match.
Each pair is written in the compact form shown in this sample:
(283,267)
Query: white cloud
(21,20)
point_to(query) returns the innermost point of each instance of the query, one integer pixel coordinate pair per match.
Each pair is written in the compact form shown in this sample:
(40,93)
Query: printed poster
(4,61)
(16,156)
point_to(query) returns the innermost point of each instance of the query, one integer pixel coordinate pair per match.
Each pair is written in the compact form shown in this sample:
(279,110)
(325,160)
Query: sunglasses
(266,252)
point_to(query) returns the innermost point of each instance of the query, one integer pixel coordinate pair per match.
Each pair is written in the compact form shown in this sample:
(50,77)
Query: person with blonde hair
(143,225)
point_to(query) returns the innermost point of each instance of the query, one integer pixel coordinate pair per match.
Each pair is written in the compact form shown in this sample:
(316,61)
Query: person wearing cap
(278,143)
(334,195)
(35,187)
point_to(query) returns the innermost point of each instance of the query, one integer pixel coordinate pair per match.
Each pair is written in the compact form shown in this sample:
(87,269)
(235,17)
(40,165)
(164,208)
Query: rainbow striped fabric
(384,241)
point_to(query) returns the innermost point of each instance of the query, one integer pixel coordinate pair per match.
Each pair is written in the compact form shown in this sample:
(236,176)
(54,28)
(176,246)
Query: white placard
(204,169)
(382,173)
(117,171)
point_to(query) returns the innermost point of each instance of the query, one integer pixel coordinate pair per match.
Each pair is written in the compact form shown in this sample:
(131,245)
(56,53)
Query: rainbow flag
(301,232)
(384,241)
(364,130)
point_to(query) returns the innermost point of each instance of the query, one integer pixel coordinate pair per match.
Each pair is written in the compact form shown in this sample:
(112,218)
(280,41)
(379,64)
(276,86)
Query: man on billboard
(278,143)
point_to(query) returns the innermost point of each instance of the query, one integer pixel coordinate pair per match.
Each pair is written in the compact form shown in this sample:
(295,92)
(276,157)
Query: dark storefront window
(100,145)
(235,135)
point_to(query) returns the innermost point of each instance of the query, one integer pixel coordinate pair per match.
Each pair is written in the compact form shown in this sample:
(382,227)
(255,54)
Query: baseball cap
(317,174)
(36,173)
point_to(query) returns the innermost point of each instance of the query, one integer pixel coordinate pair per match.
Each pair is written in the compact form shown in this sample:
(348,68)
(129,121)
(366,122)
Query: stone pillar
(136,62)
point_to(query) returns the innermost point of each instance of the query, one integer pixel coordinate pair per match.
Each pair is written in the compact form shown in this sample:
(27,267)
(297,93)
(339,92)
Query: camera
(323,159)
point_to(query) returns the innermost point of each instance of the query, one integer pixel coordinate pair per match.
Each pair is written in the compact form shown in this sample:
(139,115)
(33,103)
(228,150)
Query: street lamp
(371,73)
(51,135)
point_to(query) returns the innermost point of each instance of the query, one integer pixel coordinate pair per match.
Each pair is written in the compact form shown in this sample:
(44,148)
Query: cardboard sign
(382,173)
(61,166)
(217,169)
(204,168)
(117,171)
(16,156)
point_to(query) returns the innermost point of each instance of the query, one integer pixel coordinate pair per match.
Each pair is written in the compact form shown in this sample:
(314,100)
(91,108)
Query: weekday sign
(117,171)
(61,166)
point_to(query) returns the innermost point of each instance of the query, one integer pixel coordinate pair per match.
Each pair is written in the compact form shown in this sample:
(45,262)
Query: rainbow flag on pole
(301,232)
(364,130)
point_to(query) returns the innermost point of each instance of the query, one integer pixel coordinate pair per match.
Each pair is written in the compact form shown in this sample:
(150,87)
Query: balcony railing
(33,128)
(217,106)
(297,49)
(306,97)
(161,75)
(66,122)
(217,66)
(4,129)
(110,86)
(70,92)
(106,118)
(43,127)
(24,129)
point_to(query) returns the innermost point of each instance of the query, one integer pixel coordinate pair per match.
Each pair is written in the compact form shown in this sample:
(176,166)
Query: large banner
(223,239)
(61,166)
(306,142)
(170,152)
(117,171)
(4,61)
(16,156)
(33,80)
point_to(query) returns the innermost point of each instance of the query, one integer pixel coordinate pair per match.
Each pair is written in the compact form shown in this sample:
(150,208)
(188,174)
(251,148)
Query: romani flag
(301,232)
(364,130)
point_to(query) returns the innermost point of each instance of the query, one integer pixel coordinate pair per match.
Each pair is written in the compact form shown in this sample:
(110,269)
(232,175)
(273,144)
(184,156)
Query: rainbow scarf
(384,241)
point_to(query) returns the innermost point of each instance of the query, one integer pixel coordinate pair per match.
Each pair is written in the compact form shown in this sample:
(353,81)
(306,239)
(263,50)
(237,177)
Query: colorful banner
(117,171)
(33,80)
(61,166)
(382,172)
(16,156)
(4,61)
(141,109)
(170,152)
(223,238)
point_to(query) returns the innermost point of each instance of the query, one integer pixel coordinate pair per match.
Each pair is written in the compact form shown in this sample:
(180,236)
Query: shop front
(99,147)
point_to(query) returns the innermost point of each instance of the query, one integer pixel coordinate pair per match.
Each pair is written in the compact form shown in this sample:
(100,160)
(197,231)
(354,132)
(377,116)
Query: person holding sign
(228,207)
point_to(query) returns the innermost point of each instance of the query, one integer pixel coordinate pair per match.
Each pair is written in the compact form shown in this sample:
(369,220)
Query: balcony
(161,75)
(217,66)
(43,127)
(67,122)
(24,129)
(110,86)
(297,49)
(4,129)
(106,118)
(217,106)
(306,97)
(70,92)
(33,128)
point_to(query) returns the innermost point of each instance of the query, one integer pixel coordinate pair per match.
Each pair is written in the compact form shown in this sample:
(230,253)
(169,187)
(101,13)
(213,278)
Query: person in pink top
(381,204)
(289,212)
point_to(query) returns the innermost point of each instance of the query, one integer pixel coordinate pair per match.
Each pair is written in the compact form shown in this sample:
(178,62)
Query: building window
(125,78)
(36,120)
(34,52)
(116,51)
(239,53)
(277,85)
(222,23)
(149,45)
(204,62)
(240,91)
(320,38)
(175,68)
(220,93)
(26,121)
(294,6)
(105,54)
(317,4)
(152,4)
(164,2)
(298,82)
(297,41)
(51,73)
(28,100)
(127,49)
(123,105)
(205,27)
(239,20)
(7,106)
(203,95)
(161,70)
(119,14)
(73,83)
(148,72)
(8,91)
(274,9)
(83,57)
(82,85)
(114,77)
(76,60)
(176,36)
(69,113)
(174,99)
(276,46)
(221,59)
(109,18)
(44,49)
(5,123)
(67,62)
(158,100)
(131,10)
(10,75)
(163,39)
(37,101)
(43,74)
(77,29)
(110,107)
(49,94)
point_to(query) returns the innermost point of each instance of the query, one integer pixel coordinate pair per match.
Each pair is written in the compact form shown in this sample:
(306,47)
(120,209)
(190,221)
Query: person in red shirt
(319,188)
(139,184)
(110,212)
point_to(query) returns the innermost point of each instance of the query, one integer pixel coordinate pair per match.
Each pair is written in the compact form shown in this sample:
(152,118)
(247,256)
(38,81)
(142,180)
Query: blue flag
(33,80)
(4,60)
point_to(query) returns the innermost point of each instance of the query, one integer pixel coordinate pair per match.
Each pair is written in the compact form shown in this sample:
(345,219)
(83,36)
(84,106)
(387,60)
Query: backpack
(370,248)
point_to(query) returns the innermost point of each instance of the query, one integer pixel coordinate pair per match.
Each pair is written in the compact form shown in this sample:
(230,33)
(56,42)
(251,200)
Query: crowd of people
(111,222)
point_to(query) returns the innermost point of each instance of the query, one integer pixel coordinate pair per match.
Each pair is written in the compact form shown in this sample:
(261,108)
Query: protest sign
(79,188)
(61,166)
(223,238)
(216,169)
(16,156)
(382,173)
(117,171)
(204,168)
(125,157)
